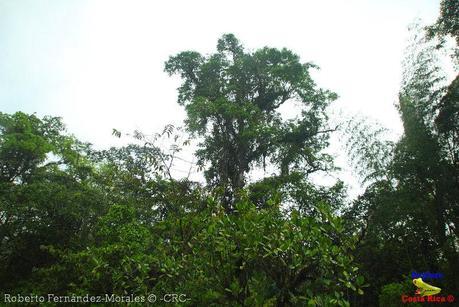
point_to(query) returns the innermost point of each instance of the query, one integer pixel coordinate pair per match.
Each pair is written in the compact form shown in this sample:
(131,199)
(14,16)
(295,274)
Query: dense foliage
(75,220)
(410,209)
(232,99)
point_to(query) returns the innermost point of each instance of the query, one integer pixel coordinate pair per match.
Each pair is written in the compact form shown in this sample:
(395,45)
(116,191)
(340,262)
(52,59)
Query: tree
(411,207)
(447,24)
(232,99)
(85,221)
(45,195)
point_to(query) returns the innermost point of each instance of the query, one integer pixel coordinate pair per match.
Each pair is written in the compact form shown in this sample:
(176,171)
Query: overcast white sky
(99,64)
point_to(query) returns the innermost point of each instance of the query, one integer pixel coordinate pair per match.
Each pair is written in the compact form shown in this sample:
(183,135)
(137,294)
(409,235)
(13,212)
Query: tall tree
(412,208)
(232,99)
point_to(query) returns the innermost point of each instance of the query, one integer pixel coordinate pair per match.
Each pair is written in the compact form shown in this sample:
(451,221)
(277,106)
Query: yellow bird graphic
(424,288)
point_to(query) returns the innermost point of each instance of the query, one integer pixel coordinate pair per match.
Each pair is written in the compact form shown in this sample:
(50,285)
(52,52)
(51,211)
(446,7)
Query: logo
(426,275)
(427,293)
(424,289)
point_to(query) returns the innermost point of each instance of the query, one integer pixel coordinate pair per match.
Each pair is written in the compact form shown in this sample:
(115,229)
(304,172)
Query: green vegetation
(76,220)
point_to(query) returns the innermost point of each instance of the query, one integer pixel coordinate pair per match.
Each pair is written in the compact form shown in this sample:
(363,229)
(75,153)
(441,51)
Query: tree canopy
(232,99)
(76,220)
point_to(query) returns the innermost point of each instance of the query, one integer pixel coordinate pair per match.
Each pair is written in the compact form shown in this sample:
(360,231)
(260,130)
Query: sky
(99,64)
